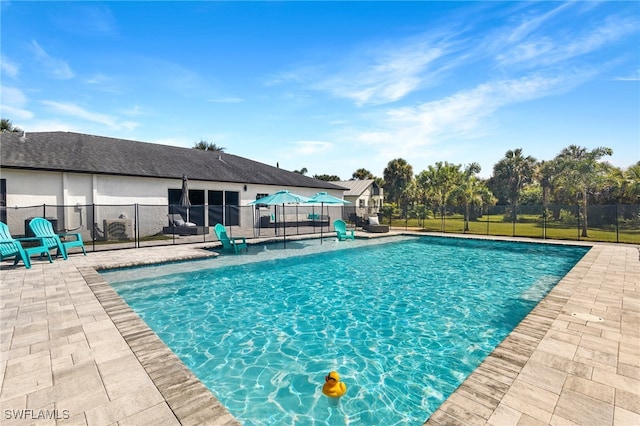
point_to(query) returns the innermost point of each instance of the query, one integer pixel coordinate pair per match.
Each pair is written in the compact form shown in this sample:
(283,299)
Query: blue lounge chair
(234,244)
(12,247)
(342,232)
(44,229)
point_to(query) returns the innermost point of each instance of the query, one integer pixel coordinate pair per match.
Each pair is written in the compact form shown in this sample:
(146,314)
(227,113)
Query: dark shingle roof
(81,153)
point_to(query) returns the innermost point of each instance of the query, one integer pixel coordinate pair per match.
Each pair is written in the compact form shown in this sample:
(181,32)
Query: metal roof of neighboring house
(356,187)
(82,153)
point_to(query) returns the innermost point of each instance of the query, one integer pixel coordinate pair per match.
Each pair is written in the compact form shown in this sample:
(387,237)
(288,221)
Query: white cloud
(56,67)
(553,49)
(76,111)
(9,68)
(631,77)
(303,148)
(463,115)
(392,75)
(104,83)
(375,76)
(13,104)
(51,125)
(135,110)
(532,22)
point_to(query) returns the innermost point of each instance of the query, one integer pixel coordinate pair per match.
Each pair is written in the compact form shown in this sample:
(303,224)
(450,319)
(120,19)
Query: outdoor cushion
(373,220)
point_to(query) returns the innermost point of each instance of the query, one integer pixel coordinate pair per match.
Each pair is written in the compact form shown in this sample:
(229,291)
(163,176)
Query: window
(224,208)
(232,202)
(194,213)
(216,201)
(258,196)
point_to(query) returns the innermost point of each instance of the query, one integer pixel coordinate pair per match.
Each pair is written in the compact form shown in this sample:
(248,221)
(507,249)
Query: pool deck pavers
(72,352)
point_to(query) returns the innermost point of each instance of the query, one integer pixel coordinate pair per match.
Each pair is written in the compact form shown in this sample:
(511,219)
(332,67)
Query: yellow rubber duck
(333,387)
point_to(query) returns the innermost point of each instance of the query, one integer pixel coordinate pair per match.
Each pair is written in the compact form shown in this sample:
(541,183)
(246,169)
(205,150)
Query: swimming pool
(403,321)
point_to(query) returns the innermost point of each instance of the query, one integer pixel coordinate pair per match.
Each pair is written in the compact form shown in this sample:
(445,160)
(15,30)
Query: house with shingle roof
(74,169)
(365,195)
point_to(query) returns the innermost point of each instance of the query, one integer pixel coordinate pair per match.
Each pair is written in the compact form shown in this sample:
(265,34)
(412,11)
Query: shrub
(567,217)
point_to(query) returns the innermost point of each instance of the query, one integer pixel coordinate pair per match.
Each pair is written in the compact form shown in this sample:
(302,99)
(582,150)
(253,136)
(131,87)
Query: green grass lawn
(530,227)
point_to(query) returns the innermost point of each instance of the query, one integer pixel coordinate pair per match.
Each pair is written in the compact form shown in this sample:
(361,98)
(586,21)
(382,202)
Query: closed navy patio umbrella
(184,196)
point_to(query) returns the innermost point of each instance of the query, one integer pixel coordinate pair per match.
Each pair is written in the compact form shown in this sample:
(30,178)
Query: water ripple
(403,321)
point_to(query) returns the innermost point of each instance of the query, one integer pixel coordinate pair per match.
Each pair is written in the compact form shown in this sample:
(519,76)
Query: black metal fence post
(617,226)
(488,217)
(406,218)
(578,208)
(93,228)
(136,228)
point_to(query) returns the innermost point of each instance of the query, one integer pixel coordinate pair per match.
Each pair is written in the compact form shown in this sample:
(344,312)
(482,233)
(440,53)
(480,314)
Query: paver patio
(72,352)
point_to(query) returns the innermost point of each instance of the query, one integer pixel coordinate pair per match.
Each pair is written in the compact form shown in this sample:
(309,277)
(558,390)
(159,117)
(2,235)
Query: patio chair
(374,225)
(12,247)
(234,244)
(342,232)
(177,225)
(44,229)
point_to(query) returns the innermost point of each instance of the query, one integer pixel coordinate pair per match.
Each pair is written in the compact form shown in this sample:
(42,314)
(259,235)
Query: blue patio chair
(44,229)
(235,244)
(342,232)
(12,247)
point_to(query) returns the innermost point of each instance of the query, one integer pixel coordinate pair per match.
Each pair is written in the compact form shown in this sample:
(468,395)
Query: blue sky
(331,86)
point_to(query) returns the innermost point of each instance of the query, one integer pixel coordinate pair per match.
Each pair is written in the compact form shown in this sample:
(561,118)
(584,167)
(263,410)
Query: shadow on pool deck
(71,348)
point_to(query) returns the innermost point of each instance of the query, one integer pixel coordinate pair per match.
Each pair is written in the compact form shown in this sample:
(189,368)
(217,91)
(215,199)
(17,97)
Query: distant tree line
(576,176)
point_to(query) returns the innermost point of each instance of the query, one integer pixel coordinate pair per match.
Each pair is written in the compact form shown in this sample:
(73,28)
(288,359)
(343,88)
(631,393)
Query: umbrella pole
(321,225)
(284,227)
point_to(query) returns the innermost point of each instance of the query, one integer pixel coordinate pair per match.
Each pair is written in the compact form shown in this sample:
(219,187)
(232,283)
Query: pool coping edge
(188,398)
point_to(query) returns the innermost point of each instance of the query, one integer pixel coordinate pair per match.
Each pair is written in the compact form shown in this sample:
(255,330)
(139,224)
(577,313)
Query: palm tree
(510,175)
(302,171)
(327,178)
(470,190)
(208,146)
(632,183)
(362,174)
(609,185)
(397,178)
(7,126)
(545,175)
(579,171)
(439,183)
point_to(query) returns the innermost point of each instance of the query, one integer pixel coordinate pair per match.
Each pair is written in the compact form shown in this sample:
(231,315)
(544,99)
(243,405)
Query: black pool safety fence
(609,223)
(109,227)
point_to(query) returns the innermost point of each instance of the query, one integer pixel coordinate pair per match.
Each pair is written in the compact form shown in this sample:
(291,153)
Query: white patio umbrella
(281,198)
(325,198)
(184,197)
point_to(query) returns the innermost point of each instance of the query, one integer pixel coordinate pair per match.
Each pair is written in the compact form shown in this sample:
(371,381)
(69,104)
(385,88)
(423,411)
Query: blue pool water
(404,321)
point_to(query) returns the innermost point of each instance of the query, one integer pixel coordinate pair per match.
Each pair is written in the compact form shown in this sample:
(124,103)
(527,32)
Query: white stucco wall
(113,197)
(30,188)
